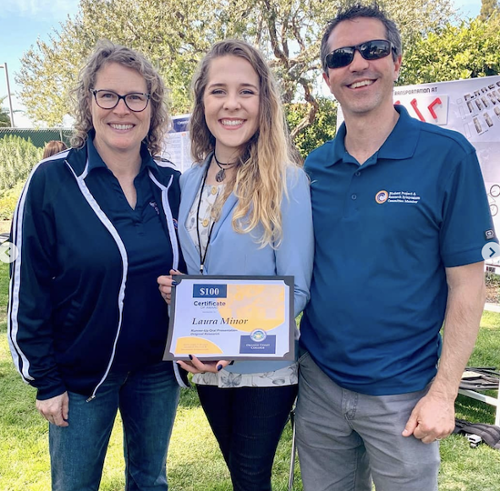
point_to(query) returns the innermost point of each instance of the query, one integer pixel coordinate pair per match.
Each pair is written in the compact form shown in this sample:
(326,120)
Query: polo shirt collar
(95,160)
(402,142)
(399,145)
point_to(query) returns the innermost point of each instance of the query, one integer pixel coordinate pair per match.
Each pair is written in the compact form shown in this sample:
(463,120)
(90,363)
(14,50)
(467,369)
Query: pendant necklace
(221,175)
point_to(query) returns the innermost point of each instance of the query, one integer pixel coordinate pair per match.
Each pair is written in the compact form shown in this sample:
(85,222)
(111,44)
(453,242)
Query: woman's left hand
(197,366)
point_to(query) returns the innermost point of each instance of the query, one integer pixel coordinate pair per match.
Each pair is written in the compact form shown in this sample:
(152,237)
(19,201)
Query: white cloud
(39,9)
(22,121)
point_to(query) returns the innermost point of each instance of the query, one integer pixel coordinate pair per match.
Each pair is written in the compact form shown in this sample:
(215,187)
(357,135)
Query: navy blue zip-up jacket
(63,319)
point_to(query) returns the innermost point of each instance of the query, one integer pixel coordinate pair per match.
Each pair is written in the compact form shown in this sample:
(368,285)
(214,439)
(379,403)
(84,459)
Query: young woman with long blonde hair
(245,210)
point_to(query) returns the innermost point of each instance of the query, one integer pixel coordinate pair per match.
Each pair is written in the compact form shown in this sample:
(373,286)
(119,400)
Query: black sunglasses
(371,50)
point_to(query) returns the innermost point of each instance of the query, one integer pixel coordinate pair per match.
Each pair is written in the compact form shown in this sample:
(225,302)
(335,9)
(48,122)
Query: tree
(471,49)
(488,7)
(322,129)
(163,30)
(4,115)
(174,35)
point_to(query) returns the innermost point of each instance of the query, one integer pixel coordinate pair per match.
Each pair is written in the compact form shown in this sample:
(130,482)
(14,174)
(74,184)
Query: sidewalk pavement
(492,307)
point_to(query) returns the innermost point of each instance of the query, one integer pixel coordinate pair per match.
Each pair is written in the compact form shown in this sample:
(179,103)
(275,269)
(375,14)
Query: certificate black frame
(288,281)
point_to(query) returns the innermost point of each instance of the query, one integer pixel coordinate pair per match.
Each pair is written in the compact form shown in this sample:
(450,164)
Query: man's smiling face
(363,86)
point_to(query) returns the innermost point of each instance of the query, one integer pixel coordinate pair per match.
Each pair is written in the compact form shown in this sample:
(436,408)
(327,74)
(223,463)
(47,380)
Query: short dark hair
(355,11)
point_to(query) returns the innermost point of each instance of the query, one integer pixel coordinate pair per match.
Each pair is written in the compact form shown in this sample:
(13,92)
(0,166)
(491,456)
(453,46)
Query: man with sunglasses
(401,217)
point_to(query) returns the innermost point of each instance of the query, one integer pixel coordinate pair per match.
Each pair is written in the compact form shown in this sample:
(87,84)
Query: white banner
(177,144)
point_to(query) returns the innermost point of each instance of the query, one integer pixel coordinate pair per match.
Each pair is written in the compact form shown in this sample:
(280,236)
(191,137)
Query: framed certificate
(231,318)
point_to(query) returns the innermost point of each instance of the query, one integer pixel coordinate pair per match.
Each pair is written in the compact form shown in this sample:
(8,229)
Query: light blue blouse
(232,253)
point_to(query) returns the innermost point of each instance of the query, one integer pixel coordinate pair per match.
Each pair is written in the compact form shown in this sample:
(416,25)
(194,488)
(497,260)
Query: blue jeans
(147,399)
(345,438)
(248,422)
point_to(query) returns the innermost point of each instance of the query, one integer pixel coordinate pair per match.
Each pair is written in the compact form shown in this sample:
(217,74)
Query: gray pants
(345,438)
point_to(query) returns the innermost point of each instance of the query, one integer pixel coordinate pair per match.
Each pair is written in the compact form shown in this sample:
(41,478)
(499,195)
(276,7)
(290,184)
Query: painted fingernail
(174,283)
(219,368)
(190,357)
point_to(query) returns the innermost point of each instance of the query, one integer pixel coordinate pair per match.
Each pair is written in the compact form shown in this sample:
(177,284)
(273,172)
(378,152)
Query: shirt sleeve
(29,330)
(294,256)
(466,224)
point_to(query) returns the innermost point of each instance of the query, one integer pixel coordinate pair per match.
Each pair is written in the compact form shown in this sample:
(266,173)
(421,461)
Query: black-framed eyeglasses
(108,99)
(370,50)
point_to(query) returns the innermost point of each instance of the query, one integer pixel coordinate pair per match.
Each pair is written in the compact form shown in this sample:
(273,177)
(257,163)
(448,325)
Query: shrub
(8,200)
(17,158)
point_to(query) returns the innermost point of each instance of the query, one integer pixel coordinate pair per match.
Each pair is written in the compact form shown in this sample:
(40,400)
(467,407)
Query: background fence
(39,137)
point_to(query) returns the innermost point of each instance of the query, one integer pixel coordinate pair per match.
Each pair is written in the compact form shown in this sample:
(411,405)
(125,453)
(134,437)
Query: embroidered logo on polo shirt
(155,206)
(381,197)
(408,197)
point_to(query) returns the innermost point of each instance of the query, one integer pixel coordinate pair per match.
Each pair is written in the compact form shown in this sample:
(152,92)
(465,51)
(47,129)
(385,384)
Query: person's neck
(229,170)
(122,165)
(366,133)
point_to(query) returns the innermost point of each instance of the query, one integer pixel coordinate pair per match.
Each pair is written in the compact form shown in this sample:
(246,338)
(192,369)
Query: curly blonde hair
(105,53)
(260,179)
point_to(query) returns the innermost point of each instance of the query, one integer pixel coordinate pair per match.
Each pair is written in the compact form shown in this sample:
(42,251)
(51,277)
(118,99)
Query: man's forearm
(466,296)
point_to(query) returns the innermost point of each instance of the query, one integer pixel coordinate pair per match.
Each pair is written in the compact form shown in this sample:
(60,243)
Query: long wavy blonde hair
(106,52)
(259,182)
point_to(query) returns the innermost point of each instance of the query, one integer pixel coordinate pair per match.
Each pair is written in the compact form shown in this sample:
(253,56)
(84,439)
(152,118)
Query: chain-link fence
(39,137)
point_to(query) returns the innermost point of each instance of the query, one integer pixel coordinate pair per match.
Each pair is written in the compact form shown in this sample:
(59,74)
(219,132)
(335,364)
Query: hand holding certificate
(232,318)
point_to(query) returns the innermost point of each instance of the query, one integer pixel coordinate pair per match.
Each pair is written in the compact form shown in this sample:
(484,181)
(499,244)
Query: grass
(195,462)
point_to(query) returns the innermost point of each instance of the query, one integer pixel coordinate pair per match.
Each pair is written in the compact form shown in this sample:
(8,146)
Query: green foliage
(4,115)
(468,50)
(320,131)
(17,158)
(174,35)
(169,34)
(488,7)
(8,200)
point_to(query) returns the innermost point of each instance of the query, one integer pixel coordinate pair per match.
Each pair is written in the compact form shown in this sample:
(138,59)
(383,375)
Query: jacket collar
(95,160)
(77,158)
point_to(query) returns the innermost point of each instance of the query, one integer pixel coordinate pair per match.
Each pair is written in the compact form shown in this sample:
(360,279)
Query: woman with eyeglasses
(245,210)
(87,325)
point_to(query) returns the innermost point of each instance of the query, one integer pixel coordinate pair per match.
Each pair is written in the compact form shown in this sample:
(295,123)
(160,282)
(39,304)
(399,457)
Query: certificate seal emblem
(258,335)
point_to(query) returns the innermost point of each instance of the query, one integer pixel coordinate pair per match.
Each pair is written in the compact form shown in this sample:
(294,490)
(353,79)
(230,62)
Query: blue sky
(22,22)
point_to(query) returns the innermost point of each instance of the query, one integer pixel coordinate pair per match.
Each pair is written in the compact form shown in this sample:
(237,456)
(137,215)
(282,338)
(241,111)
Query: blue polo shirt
(385,231)
(144,326)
